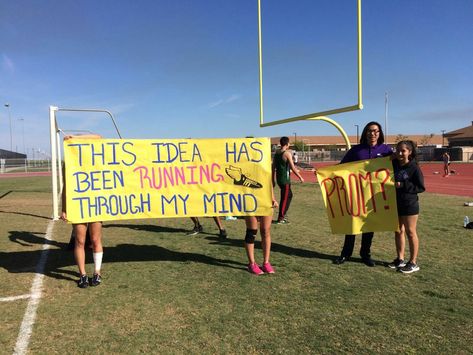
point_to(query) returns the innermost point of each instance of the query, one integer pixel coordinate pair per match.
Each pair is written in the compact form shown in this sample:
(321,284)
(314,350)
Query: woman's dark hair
(411,146)
(364,140)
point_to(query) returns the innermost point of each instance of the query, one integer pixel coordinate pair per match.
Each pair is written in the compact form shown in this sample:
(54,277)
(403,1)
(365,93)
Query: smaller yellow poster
(113,179)
(360,196)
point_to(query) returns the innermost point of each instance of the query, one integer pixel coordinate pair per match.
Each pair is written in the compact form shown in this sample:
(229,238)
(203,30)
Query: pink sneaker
(267,268)
(254,269)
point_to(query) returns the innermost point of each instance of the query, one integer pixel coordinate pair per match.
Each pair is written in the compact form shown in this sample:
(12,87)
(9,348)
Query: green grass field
(165,292)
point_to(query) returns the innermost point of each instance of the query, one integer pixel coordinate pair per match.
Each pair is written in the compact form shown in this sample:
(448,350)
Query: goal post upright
(57,181)
(321,115)
(53,132)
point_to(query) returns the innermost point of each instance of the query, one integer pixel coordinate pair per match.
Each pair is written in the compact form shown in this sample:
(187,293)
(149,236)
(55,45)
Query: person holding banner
(371,146)
(281,169)
(409,181)
(250,236)
(80,231)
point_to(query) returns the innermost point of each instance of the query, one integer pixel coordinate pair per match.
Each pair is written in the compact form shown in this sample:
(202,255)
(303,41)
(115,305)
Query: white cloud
(228,100)
(7,64)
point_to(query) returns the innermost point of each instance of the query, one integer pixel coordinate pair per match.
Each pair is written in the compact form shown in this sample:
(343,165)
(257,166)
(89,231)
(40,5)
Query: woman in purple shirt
(371,146)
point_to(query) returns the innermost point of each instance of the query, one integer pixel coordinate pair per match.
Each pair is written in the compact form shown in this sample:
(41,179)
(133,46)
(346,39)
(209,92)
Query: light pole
(357,132)
(443,137)
(11,135)
(295,140)
(22,120)
(386,116)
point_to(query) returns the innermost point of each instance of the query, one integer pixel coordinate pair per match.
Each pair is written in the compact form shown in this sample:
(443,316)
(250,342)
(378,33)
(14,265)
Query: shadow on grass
(58,258)
(6,194)
(284,249)
(275,248)
(26,214)
(146,227)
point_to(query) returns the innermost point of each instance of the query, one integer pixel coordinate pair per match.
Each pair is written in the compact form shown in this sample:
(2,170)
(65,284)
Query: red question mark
(386,207)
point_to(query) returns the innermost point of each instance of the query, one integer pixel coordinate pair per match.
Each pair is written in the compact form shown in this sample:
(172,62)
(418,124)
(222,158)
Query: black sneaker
(222,234)
(197,229)
(83,281)
(368,261)
(340,260)
(409,268)
(397,263)
(96,280)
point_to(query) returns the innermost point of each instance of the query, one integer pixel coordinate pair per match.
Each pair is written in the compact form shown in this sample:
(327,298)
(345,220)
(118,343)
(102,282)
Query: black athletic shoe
(409,268)
(340,260)
(222,234)
(397,263)
(197,229)
(83,281)
(96,280)
(368,262)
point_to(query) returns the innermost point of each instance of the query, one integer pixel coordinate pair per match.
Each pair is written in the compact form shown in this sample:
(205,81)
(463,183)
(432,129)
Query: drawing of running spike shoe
(241,179)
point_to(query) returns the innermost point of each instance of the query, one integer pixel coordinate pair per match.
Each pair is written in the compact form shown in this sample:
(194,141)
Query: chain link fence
(24,165)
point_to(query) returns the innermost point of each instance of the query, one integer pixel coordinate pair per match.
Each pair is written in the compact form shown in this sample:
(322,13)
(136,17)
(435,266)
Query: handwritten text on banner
(359,196)
(111,179)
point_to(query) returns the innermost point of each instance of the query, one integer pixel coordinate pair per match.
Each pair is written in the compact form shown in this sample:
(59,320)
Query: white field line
(26,327)
(14,298)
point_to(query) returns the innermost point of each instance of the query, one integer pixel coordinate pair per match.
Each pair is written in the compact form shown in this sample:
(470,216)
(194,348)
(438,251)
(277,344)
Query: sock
(97,261)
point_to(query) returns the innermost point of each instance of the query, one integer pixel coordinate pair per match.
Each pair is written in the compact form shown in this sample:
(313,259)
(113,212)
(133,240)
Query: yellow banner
(360,196)
(112,179)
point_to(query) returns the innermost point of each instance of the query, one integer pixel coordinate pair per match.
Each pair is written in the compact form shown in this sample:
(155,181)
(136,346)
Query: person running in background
(281,169)
(222,233)
(409,181)
(80,230)
(250,236)
(446,164)
(371,146)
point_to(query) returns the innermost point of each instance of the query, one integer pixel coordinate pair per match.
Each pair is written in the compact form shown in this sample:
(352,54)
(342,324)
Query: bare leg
(400,240)
(265,228)
(196,221)
(95,230)
(411,231)
(79,252)
(251,223)
(218,222)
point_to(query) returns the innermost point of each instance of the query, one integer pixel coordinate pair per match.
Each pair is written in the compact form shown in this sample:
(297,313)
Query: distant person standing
(446,164)
(281,169)
(295,158)
(371,146)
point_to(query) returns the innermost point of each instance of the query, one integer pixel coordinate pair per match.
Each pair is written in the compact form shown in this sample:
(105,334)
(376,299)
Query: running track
(459,184)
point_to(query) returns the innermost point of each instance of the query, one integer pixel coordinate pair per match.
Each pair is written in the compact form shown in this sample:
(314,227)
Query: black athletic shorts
(407,208)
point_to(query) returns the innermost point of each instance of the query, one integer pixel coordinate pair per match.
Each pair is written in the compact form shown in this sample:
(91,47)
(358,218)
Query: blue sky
(188,68)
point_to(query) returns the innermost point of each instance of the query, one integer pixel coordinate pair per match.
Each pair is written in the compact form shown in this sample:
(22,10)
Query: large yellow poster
(112,179)
(360,196)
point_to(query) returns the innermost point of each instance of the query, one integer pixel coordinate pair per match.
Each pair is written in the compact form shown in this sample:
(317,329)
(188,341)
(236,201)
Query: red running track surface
(458,184)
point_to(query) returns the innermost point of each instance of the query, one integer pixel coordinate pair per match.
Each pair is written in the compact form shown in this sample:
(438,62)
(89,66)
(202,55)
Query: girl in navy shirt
(409,181)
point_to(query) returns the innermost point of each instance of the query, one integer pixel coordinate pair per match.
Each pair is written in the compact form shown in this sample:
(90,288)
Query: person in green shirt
(283,164)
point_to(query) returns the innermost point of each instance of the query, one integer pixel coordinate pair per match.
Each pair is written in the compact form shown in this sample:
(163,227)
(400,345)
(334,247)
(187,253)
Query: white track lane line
(14,298)
(26,327)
